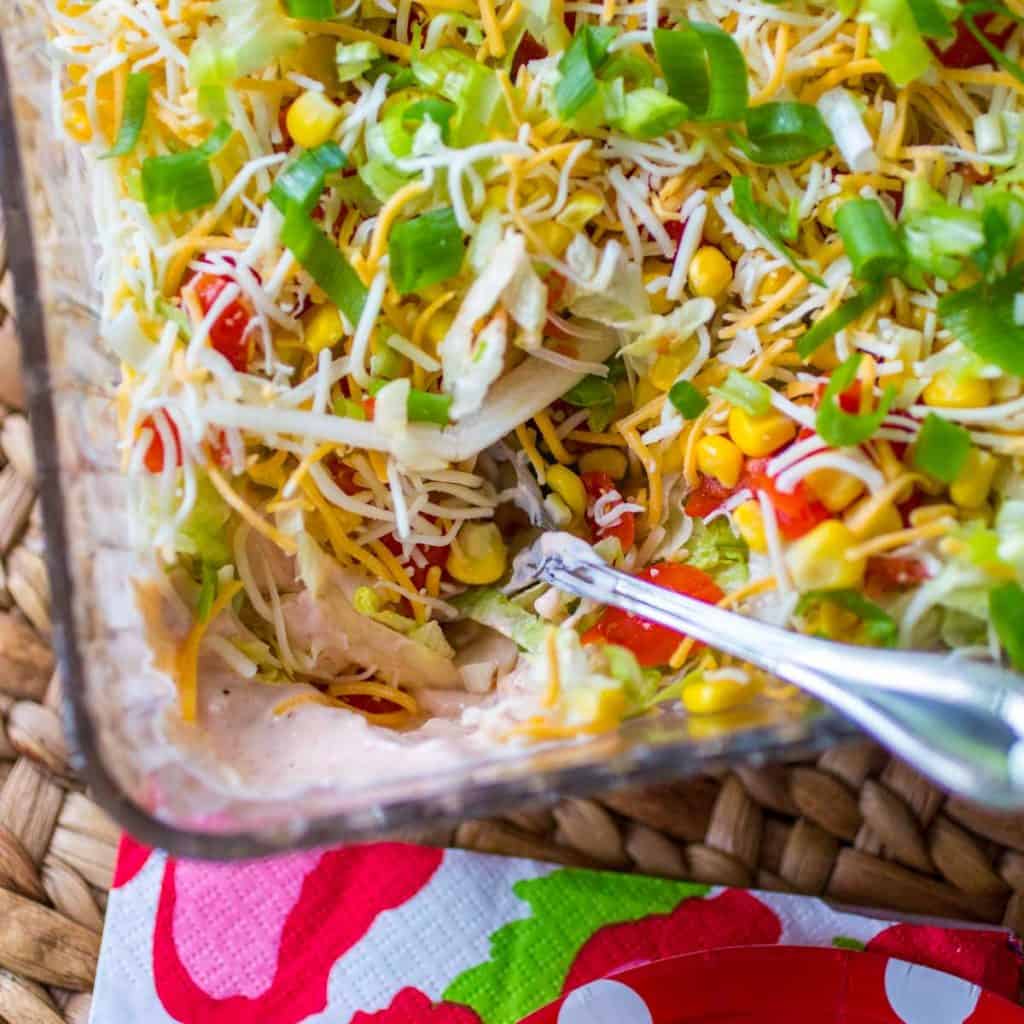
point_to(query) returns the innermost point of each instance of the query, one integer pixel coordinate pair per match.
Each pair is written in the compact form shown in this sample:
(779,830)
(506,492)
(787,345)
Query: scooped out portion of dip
(732,292)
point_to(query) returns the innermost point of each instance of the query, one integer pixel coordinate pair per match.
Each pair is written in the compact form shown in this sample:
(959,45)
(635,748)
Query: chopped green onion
(426,250)
(842,429)
(1006,611)
(311,10)
(1002,222)
(941,448)
(648,113)
(207,591)
(839,319)
(325,263)
(880,629)
(577,83)
(931,19)
(937,235)
(422,406)
(133,118)
(776,227)
(687,400)
(704,69)
(633,70)
(438,111)
(748,394)
(870,240)
(981,318)
(589,392)
(349,409)
(473,88)
(971,11)
(783,133)
(354,59)
(897,41)
(299,185)
(183,181)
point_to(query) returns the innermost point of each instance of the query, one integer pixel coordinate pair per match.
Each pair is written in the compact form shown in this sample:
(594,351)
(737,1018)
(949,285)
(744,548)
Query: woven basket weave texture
(854,825)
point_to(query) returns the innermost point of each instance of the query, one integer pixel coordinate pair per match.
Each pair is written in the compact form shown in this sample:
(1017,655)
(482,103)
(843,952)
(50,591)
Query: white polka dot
(920,995)
(604,1002)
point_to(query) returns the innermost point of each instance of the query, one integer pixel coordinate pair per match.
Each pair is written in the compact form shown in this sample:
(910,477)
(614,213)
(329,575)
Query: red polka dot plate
(780,985)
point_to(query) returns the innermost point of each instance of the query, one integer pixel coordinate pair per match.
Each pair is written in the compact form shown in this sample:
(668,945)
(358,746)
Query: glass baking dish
(108,680)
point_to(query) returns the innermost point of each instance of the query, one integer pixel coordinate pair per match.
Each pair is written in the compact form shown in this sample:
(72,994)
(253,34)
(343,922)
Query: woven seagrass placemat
(853,825)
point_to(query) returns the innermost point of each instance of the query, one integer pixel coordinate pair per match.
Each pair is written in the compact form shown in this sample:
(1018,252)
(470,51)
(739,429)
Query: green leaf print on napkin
(530,959)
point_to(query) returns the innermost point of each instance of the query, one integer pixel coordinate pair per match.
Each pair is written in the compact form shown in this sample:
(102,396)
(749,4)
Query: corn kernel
(598,708)
(824,358)
(478,555)
(817,561)
(971,487)
(324,328)
(604,460)
(660,302)
(870,518)
(312,119)
(665,371)
(757,436)
(569,487)
(714,226)
(717,456)
(835,489)
(76,121)
(672,454)
(748,520)
(957,391)
(771,283)
(579,210)
(556,237)
(711,696)
(646,391)
(925,514)
(366,601)
(710,272)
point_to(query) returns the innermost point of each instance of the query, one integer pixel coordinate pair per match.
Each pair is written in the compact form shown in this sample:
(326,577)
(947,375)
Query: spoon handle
(959,722)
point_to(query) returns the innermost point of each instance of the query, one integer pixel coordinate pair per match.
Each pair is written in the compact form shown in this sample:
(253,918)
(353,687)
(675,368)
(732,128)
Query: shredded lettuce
(714,548)
(204,534)
(490,607)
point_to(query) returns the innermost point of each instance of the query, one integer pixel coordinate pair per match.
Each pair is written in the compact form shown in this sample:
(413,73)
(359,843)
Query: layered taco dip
(728,289)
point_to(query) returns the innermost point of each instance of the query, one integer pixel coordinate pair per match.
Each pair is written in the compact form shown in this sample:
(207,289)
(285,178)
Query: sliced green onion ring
(783,133)
(687,400)
(325,263)
(746,393)
(839,319)
(842,429)
(648,113)
(589,392)
(704,69)
(300,184)
(930,19)
(133,117)
(870,240)
(577,82)
(183,182)
(425,250)
(941,448)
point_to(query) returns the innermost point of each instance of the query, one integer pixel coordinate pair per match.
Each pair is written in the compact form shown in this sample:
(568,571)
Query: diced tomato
(651,643)
(230,332)
(433,554)
(154,457)
(797,512)
(369,406)
(220,449)
(528,49)
(849,400)
(674,230)
(890,572)
(965,51)
(708,495)
(624,528)
(556,285)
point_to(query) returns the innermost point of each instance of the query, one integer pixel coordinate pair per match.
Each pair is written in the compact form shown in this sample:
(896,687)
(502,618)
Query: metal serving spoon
(959,722)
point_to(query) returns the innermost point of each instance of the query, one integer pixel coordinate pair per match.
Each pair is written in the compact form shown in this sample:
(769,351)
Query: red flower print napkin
(395,934)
